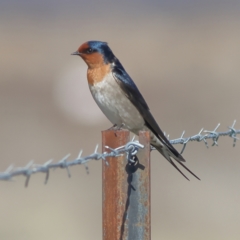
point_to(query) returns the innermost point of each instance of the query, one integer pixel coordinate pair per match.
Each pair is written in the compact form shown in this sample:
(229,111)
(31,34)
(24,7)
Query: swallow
(120,100)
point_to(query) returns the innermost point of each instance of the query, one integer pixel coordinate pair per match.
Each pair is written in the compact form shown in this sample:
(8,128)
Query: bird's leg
(112,127)
(117,128)
(121,126)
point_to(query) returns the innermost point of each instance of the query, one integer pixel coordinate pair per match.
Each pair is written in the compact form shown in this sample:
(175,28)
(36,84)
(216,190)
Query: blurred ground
(184,58)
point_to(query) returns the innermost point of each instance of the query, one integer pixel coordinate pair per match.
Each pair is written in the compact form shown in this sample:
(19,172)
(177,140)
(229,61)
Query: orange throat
(97,74)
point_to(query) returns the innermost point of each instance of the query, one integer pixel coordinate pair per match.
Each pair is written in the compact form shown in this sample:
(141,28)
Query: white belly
(115,105)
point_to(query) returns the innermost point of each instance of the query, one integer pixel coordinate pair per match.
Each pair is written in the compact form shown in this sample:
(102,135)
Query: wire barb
(130,149)
(233,133)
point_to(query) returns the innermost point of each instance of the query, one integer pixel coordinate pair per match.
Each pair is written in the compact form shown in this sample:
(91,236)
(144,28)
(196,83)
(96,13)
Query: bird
(118,97)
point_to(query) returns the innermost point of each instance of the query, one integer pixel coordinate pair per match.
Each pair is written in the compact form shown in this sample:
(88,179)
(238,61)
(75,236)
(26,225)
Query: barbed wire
(131,149)
(214,135)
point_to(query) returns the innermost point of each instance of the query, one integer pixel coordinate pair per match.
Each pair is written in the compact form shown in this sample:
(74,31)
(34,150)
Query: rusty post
(126,190)
(139,215)
(114,185)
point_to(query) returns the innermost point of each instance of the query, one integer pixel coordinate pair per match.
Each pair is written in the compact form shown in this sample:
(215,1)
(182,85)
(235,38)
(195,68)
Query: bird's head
(95,53)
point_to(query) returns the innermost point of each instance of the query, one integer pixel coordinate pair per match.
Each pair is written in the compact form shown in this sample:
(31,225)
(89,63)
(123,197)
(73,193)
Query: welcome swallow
(120,100)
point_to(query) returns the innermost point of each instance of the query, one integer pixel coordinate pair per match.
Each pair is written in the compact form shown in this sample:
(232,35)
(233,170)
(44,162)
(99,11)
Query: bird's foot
(116,128)
(121,126)
(112,127)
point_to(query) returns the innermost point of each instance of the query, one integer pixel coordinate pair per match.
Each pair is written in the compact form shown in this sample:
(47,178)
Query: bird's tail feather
(173,164)
(169,156)
(189,170)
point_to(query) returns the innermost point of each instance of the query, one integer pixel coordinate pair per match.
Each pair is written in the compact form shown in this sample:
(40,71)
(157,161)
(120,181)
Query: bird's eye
(89,50)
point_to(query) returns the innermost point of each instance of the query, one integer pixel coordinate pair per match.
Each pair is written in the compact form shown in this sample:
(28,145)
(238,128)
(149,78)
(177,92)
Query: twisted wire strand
(131,149)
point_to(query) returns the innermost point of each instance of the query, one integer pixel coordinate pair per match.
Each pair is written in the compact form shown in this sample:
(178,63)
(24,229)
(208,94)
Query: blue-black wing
(133,94)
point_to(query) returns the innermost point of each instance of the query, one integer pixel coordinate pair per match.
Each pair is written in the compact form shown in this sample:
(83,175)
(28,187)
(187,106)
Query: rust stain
(116,195)
(145,188)
(114,186)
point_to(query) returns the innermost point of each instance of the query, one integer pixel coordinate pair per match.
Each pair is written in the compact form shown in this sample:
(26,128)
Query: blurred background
(183,55)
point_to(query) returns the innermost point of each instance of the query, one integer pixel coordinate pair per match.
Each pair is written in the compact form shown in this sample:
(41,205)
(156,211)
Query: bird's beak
(76,53)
